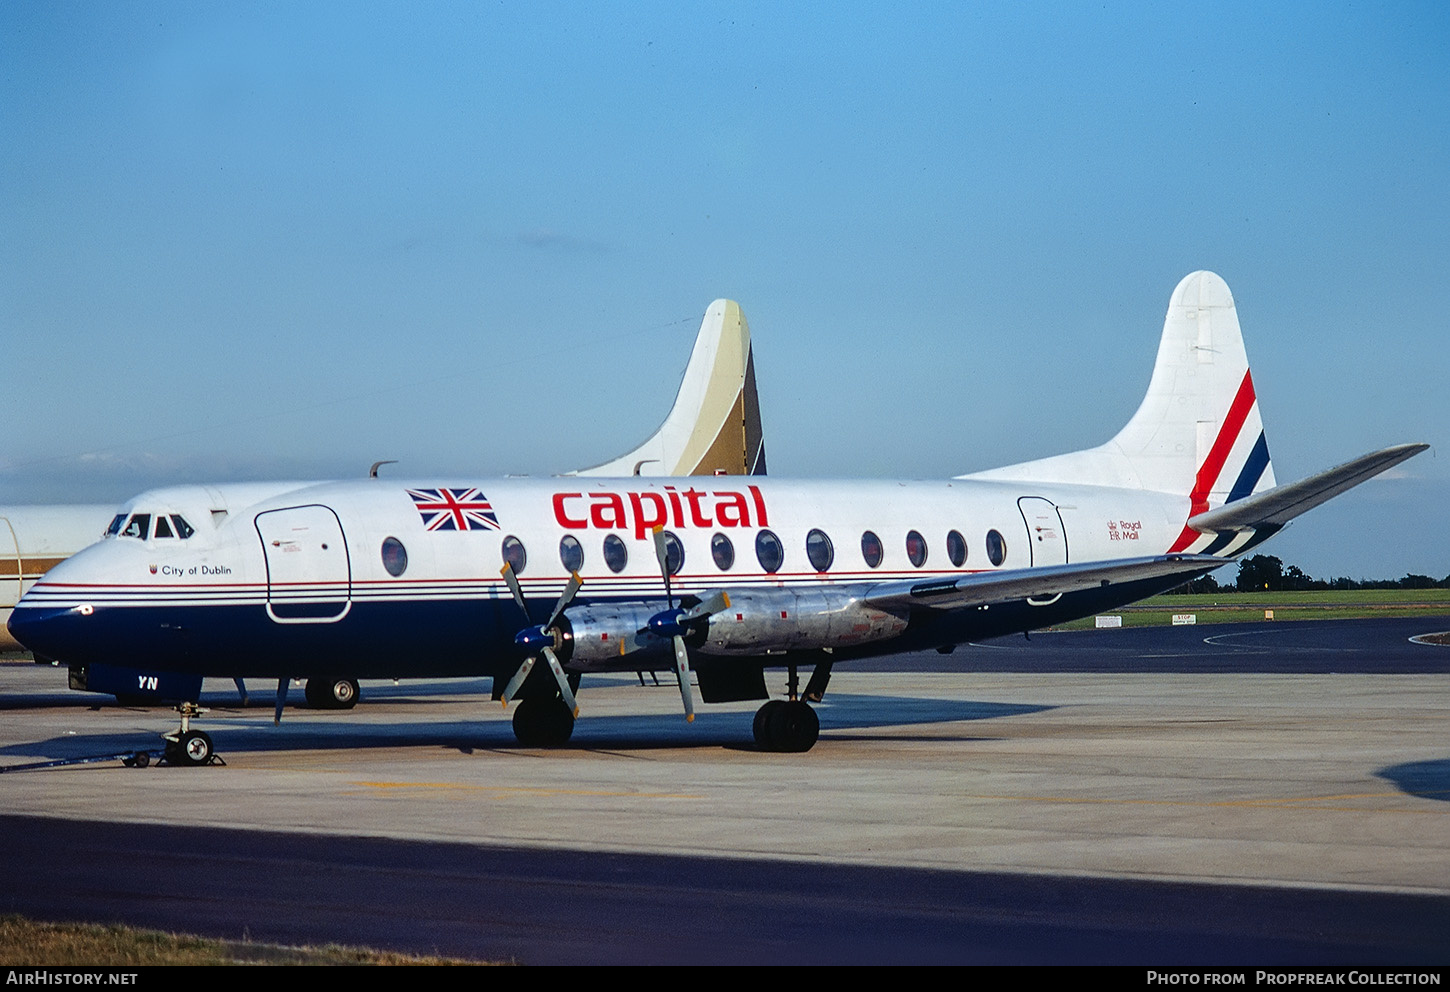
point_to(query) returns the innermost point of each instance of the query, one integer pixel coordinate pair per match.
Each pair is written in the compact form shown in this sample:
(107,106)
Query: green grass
(1326,597)
(29,944)
(1243,607)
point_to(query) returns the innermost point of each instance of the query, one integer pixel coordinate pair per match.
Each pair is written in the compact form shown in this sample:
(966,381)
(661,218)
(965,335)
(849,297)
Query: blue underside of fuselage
(438,639)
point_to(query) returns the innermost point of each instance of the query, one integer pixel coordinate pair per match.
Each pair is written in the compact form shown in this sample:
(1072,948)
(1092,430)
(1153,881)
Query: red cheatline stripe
(1208,472)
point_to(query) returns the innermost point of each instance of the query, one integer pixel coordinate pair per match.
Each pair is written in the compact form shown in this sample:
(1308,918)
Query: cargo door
(1045,533)
(309,574)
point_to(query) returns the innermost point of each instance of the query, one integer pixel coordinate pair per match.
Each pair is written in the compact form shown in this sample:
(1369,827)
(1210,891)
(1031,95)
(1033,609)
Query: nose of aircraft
(56,618)
(48,631)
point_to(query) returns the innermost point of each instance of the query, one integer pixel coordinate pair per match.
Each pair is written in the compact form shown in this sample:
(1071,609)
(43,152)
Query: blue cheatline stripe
(1253,470)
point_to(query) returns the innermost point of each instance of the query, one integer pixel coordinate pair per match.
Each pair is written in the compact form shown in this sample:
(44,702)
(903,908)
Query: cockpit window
(139,526)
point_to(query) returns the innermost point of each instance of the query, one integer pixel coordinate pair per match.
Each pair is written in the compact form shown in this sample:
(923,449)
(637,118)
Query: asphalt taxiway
(1265,793)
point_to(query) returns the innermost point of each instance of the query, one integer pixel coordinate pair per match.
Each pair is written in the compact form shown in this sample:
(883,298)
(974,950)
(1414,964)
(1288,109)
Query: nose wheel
(189,749)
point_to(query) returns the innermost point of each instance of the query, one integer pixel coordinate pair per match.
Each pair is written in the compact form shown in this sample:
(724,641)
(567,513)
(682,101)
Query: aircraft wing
(1276,507)
(986,588)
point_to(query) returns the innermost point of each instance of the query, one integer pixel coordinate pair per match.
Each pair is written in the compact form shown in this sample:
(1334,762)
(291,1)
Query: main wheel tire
(794,727)
(761,726)
(543,723)
(343,693)
(331,693)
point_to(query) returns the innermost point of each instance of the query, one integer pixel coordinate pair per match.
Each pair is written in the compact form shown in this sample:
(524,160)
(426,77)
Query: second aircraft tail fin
(714,428)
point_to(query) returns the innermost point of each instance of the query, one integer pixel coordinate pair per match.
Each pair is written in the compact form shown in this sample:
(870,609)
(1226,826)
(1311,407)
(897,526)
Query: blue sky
(279,240)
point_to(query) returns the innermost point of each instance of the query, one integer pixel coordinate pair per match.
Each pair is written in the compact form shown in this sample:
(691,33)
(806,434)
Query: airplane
(538,582)
(713,428)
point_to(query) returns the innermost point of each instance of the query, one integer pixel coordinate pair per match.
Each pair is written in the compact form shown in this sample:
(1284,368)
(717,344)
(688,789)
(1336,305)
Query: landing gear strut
(187,748)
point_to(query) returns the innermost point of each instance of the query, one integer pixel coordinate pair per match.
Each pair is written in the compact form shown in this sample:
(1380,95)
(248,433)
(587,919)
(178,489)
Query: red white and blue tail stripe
(1235,465)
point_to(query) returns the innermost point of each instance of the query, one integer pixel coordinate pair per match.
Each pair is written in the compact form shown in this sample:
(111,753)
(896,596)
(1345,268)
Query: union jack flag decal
(454,509)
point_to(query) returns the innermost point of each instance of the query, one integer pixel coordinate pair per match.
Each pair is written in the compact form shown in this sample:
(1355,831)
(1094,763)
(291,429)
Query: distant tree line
(1265,572)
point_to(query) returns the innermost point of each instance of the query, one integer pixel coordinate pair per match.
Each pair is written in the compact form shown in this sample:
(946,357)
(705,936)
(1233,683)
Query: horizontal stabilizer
(985,588)
(1279,505)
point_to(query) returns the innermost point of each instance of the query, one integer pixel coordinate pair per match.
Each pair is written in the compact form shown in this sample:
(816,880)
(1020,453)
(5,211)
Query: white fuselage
(302,579)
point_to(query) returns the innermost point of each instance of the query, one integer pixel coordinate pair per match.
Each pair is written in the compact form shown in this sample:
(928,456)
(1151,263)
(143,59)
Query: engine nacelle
(782,620)
(592,637)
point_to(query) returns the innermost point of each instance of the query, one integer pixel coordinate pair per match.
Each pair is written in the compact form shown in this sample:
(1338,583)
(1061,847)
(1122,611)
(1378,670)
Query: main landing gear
(187,748)
(790,725)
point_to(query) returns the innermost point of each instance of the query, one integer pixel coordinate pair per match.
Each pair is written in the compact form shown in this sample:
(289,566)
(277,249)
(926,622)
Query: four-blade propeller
(541,640)
(677,621)
(674,623)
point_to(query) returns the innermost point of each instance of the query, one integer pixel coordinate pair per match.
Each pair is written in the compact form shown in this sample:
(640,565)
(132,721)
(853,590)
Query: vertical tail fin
(1198,431)
(714,426)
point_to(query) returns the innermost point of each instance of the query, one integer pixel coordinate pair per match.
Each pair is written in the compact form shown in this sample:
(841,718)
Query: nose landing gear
(187,748)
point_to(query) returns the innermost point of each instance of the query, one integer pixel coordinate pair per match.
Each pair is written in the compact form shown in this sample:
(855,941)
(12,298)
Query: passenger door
(309,573)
